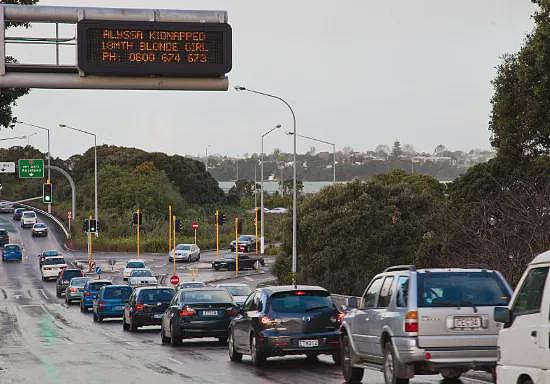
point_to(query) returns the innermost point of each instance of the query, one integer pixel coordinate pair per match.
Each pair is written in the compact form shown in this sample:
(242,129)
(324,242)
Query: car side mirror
(503,315)
(351,303)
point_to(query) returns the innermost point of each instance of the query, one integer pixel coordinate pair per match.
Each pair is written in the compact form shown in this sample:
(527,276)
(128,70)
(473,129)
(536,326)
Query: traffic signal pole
(256,223)
(236,246)
(169,229)
(217,232)
(90,249)
(137,226)
(174,242)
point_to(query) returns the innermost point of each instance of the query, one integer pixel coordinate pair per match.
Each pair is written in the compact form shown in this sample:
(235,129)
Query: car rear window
(50,253)
(54,261)
(452,289)
(151,296)
(97,286)
(79,281)
(141,274)
(40,225)
(29,214)
(117,293)
(135,264)
(238,291)
(192,285)
(206,296)
(300,301)
(68,275)
(3,232)
(11,248)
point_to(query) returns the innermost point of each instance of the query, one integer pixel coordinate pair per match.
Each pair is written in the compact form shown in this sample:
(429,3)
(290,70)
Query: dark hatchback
(17,213)
(4,237)
(245,262)
(198,312)
(146,307)
(286,320)
(64,278)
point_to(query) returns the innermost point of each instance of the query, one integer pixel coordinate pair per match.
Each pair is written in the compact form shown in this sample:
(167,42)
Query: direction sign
(7,167)
(31,168)
(146,48)
(174,280)
(195,225)
(98,270)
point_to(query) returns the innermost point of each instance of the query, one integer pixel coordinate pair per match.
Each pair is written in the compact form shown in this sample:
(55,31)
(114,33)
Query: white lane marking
(43,294)
(175,361)
(17,297)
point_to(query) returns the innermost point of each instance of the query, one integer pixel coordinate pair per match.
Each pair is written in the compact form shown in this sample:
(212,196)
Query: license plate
(210,313)
(157,315)
(119,308)
(467,322)
(308,343)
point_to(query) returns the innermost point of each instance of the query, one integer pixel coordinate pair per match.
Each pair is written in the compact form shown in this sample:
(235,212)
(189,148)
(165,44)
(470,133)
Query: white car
(278,210)
(141,277)
(131,265)
(524,340)
(239,292)
(51,266)
(186,252)
(28,219)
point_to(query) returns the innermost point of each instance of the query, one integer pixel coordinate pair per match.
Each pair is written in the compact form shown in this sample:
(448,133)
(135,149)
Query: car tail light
(231,312)
(187,311)
(299,293)
(266,322)
(139,307)
(411,322)
(337,319)
(87,293)
(72,289)
(101,305)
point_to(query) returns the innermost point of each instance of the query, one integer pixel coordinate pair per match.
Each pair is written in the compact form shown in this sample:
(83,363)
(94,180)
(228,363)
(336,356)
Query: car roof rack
(400,268)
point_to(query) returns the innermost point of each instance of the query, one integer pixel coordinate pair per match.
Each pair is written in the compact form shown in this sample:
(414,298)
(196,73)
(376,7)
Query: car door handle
(533,333)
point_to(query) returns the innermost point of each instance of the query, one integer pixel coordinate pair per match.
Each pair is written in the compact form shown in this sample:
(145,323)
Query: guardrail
(49,216)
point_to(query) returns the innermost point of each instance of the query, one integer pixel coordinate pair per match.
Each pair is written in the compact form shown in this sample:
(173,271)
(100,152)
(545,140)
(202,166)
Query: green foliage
(348,233)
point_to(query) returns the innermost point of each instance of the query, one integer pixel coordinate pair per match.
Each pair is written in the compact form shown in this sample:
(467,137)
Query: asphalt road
(44,341)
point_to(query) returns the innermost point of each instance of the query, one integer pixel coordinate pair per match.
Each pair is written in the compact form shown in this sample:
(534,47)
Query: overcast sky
(358,72)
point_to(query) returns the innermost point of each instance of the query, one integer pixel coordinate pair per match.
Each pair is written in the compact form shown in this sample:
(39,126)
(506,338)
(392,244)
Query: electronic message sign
(144,48)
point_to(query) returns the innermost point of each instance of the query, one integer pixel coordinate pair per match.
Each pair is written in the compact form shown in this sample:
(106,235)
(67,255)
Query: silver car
(424,321)
(186,252)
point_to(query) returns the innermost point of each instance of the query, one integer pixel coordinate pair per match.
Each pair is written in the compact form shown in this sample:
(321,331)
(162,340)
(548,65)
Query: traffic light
(179,225)
(221,219)
(85,225)
(136,218)
(239,226)
(92,227)
(47,193)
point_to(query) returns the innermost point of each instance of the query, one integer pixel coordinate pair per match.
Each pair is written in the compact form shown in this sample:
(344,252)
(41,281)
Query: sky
(358,73)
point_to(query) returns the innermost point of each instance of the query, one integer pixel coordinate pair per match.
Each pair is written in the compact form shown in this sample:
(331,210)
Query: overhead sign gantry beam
(120,48)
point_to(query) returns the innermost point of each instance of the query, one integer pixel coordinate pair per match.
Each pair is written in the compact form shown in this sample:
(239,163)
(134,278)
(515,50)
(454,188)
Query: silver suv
(425,321)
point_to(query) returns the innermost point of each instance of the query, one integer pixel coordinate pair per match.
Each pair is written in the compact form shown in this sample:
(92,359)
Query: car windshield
(206,296)
(183,247)
(192,285)
(40,225)
(135,264)
(97,285)
(54,261)
(50,253)
(78,281)
(244,238)
(29,214)
(229,256)
(300,301)
(119,292)
(238,291)
(452,289)
(68,275)
(3,232)
(11,248)
(151,296)
(145,273)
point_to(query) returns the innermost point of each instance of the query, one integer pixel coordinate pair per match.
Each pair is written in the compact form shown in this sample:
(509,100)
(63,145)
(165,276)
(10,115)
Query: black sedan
(4,237)
(198,312)
(146,306)
(286,320)
(245,262)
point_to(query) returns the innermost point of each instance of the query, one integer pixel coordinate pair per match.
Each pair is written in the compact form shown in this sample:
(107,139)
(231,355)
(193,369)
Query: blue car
(89,292)
(12,252)
(110,301)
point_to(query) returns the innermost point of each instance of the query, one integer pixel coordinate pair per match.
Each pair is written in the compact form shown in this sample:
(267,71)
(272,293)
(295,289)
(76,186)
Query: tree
(382,149)
(8,96)
(396,150)
(408,149)
(440,149)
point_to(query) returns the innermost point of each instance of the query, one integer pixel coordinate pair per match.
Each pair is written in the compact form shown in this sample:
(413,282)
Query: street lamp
(262,244)
(333,152)
(294,205)
(95,164)
(206,163)
(49,168)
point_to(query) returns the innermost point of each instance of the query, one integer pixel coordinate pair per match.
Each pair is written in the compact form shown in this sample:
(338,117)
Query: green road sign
(31,168)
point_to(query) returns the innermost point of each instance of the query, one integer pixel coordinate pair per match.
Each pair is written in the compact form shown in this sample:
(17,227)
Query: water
(273,186)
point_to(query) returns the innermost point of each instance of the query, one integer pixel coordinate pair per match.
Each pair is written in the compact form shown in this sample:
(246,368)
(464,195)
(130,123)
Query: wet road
(44,341)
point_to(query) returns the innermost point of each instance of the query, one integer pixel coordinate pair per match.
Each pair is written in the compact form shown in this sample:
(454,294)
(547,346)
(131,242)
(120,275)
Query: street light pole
(49,161)
(95,165)
(262,243)
(294,204)
(206,162)
(333,153)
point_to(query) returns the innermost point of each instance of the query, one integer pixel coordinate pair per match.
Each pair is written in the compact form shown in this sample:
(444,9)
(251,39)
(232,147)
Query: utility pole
(174,242)
(217,232)
(137,226)
(170,230)
(236,246)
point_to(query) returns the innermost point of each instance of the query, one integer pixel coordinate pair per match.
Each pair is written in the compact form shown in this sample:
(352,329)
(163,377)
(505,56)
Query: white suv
(51,266)
(28,219)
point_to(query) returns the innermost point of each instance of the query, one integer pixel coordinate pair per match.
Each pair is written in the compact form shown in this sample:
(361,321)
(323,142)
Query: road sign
(7,167)
(146,48)
(174,280)
(69,215)
(98,270)
(195,225)
(31,168)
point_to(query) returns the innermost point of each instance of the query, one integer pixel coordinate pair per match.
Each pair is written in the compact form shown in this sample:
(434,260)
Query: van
(524,340)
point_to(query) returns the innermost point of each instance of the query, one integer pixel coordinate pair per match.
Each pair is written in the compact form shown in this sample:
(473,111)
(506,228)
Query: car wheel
(133,326)
(163,339)
(199,257)
(222,340)
(174,340)
(311,357)
(125,325)
(217,268)
(337,358)
(95,318)
(233,354)
(67,301)
(57,293)
(258,357)
(390,364)
(352,375)
(82,309)
(451,374)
